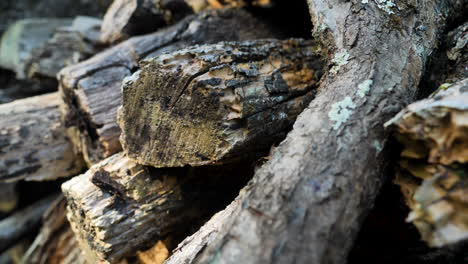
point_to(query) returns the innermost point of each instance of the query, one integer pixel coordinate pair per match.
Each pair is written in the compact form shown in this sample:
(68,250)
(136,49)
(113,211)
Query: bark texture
(434,164)
(55,243)
(305,205)
(119,207)
(91,89)
(34,145)
(213,104)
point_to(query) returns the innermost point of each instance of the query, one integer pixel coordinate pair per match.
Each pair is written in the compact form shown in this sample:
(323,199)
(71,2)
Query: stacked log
(215,104)
(91,89)
(34,142)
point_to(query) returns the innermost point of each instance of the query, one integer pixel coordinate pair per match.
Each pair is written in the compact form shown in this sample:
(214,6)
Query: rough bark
(119,207)
(55,243)
(91,89)
(218,103)
(126,18)
(305,205)
(16,226)
(34,145)
(434,134)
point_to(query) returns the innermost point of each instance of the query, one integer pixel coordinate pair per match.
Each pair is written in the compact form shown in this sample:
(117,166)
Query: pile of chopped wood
(232,131)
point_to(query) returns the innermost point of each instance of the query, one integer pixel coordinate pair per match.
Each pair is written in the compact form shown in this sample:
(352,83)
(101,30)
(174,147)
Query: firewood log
(216,103)
(119,207)
(91,89)
(21,223)
(434,163)
(307,202)
(34,145)
(126,18)
(55,243)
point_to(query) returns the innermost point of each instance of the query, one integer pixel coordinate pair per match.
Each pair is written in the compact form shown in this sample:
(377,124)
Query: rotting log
(22,38)
(119,207)
(306,204)
(434,164)
(126,18)
(68,45)
(91,89)
(215,104)
(21,223)
(34,145)
(55,243)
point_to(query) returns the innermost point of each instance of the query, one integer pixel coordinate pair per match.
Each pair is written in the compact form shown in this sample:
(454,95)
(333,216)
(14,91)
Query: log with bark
(55,243)
(434,163)
(218,103)
(126,18)
(305,205)
(39,48)
(91,89)
(34,145)
(118,207)
(21,223)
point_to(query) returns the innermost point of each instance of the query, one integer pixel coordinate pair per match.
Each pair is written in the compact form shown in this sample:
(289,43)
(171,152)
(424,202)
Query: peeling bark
(215,104)
(434,165)
(305,205)
(91,89)
(34,146)
(118,207)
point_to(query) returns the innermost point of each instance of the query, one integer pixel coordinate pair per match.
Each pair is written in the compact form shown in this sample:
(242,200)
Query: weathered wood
(34,145)
(434,159)
(40,48)
(67,46)
(118,207)
(305,205)
(91,89)
(216,103)
(16,226)
(22,38)
(126,18)
(55,243)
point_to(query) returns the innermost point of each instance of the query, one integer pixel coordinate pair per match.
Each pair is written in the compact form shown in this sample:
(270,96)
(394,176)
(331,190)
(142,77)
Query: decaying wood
(216,103)
(13,228)
(34,145)
(457,53)
(22,38)
(434,165)
(91,89)
(55,243)
(68,45)
(126,18)
(305,205)
(36,48)
(155,255)
(8,197)
(118,207)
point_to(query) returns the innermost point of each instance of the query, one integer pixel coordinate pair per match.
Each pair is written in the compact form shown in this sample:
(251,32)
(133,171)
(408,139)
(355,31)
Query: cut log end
(215,103)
